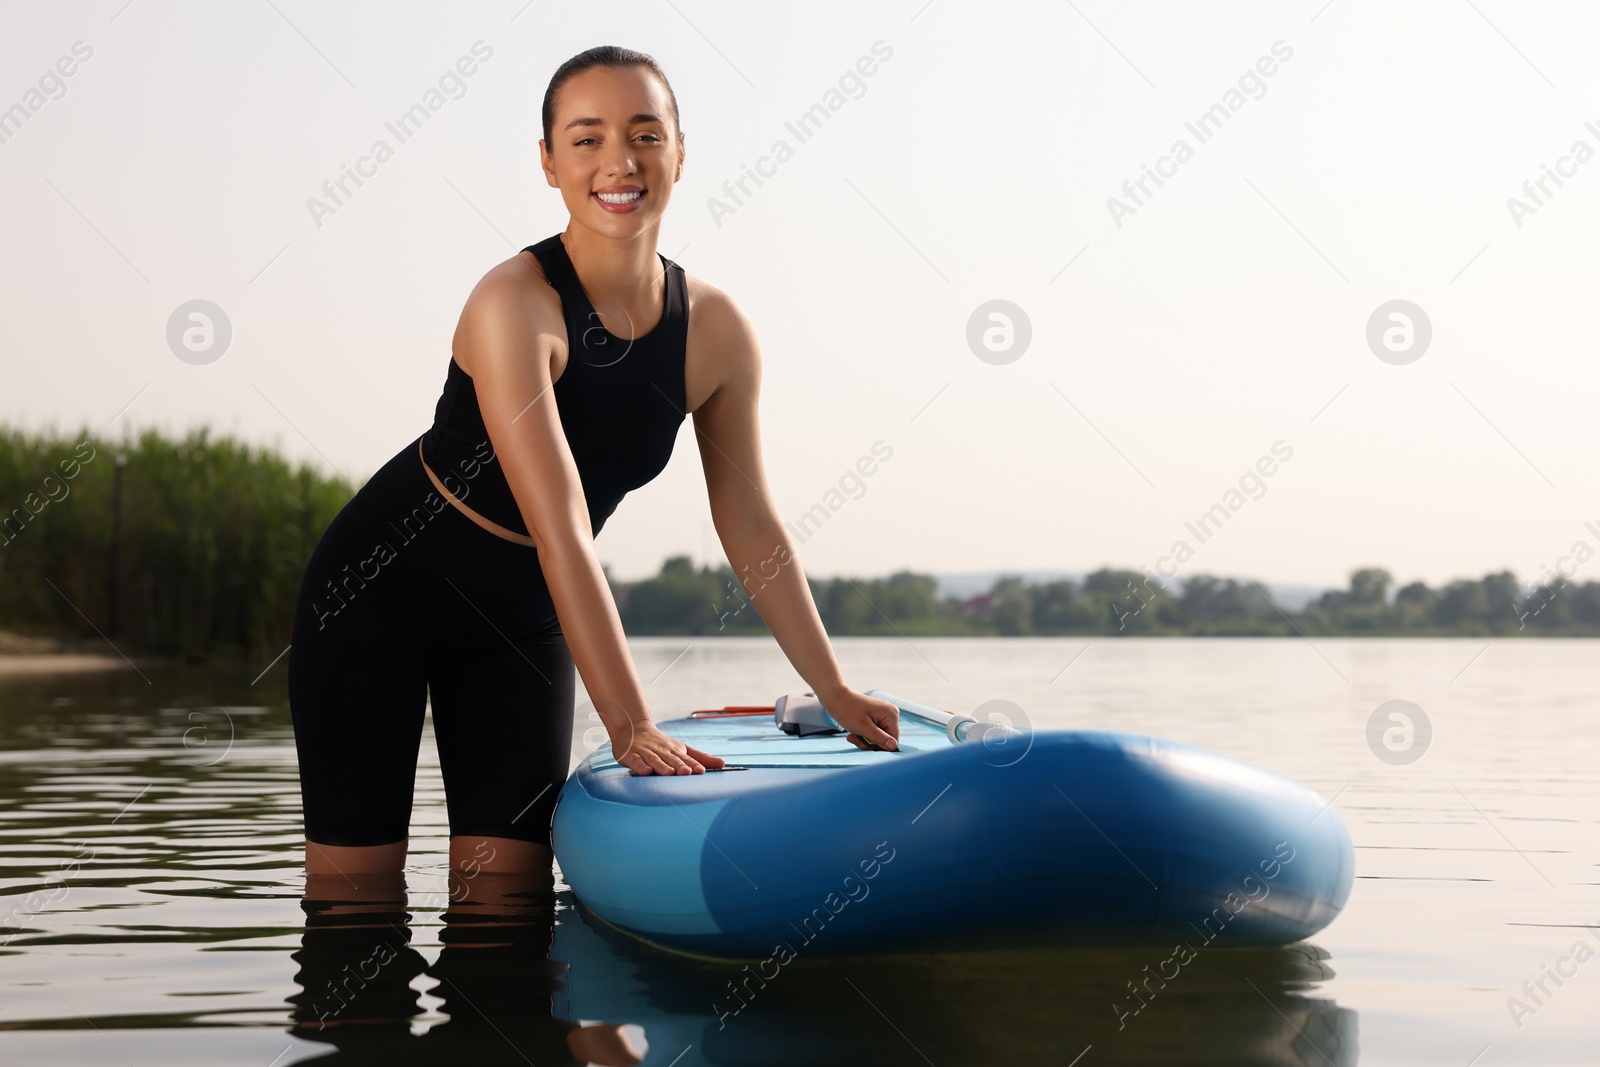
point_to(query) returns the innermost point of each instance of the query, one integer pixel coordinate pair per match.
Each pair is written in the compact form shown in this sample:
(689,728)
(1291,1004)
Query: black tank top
(621,403)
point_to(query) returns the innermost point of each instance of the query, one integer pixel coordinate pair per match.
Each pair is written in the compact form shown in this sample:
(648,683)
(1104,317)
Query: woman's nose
(619,161)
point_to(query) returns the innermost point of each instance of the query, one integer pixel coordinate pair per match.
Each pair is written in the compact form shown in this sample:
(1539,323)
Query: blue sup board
(972,835)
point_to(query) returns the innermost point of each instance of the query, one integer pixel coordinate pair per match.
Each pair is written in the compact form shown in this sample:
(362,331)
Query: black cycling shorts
(407,602)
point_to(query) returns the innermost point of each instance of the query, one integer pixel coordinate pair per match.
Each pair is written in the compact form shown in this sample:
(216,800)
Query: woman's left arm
(757,544)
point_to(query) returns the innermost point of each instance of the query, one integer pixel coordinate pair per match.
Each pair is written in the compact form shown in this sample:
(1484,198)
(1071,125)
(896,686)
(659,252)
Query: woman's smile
(619,199)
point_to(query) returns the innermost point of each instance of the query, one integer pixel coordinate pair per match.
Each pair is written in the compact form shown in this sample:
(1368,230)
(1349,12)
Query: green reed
(204,559)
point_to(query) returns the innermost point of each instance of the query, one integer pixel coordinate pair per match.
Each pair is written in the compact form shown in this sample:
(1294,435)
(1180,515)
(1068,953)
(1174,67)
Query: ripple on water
(157,829)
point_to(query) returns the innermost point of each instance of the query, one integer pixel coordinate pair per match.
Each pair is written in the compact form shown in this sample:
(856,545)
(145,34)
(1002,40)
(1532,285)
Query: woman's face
(613,136)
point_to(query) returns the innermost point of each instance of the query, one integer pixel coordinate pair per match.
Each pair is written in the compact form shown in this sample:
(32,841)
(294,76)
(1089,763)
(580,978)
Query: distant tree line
(682,599)
(195,548)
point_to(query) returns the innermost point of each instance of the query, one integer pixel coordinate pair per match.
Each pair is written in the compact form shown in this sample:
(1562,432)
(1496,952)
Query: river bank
(21,654)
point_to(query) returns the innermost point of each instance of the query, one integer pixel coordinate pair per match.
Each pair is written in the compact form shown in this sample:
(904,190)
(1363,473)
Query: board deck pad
(772,758)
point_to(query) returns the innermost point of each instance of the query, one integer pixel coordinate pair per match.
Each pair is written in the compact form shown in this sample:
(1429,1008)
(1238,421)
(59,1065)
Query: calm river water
(150,878)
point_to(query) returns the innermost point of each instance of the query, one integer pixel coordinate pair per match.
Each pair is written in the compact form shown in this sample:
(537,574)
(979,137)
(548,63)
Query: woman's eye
(590,140)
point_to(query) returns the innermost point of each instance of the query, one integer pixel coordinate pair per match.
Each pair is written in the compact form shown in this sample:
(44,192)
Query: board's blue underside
(1066,837)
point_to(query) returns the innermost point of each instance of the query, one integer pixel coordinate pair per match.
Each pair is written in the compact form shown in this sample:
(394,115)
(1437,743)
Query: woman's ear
(546,165)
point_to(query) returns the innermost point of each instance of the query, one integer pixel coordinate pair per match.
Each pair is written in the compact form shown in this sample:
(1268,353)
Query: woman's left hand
(867,719)
(645,749)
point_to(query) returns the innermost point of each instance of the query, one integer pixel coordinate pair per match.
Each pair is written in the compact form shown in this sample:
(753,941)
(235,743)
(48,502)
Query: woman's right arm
(508,339)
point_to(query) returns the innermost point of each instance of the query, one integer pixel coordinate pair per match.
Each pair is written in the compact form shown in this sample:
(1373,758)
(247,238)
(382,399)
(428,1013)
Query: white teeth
(619,198)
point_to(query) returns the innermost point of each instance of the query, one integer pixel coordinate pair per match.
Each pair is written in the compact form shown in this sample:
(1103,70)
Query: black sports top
(621,403)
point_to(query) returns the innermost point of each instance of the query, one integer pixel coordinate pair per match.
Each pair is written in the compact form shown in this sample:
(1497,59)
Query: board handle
(732,709)
(957,726)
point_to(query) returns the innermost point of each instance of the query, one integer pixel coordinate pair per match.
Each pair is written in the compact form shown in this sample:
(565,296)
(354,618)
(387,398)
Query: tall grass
(213,540)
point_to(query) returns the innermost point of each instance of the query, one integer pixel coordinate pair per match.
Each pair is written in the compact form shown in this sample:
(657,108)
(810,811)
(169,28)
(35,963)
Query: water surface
(150,879)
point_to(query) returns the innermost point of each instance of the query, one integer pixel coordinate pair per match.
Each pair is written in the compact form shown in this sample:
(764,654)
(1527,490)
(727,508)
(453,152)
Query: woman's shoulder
(517,272)
(512,300)
(515,286)
(717,312)
(722,337)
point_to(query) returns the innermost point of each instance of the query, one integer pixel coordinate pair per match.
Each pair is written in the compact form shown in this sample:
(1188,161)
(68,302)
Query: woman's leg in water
(358,683)
(357,700)
(475,854)
(503,721)
(334,861)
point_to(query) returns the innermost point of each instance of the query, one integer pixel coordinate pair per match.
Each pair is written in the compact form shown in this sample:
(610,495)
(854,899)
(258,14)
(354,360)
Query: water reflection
(514,983)
(1047,1005)
(358,989)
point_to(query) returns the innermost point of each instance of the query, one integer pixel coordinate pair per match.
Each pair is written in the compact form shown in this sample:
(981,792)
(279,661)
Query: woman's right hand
(645,749)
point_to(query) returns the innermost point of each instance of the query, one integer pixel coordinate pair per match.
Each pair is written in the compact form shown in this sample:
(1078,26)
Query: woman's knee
(352,860)
(474,854)
(498,872)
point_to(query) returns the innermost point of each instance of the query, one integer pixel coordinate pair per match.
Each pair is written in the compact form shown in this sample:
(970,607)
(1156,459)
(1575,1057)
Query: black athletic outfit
(407,600)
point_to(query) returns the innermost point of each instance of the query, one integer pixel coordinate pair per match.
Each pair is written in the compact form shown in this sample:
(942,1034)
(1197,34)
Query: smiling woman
(573,367)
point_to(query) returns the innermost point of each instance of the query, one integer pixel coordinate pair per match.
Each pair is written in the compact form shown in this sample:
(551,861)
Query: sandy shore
(60,663)
(20,654)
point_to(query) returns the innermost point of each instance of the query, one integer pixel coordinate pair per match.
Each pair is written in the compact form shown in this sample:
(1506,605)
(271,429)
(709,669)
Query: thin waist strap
(488,524)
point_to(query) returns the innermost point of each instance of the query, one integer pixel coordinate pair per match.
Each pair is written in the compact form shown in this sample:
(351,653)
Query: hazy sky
(1172,345)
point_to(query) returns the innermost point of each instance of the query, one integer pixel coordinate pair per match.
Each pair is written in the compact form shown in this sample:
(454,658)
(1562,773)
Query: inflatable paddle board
(973,834)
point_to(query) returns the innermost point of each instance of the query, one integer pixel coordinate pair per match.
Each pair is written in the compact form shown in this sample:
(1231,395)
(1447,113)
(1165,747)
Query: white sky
(1221,317)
